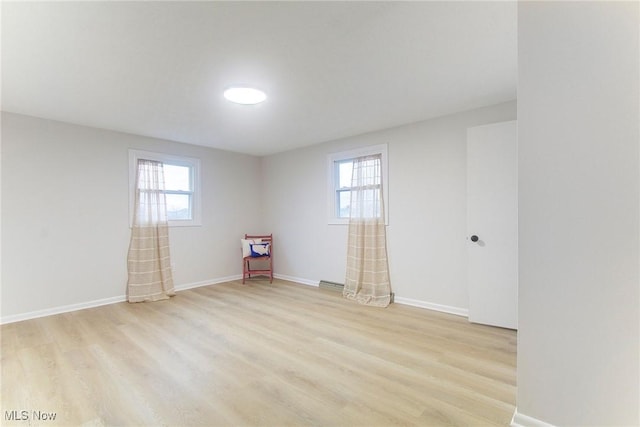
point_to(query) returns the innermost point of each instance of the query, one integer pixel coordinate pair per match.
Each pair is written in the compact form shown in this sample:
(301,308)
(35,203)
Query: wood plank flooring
(261,354)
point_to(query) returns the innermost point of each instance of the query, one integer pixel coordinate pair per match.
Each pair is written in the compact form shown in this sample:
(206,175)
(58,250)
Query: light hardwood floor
(259,354)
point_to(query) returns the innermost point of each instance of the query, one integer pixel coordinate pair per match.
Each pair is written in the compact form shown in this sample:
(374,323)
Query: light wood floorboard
(258,354)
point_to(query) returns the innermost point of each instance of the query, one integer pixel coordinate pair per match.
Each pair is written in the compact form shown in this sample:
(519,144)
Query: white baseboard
(186,286)
(105,301)
(521,420)
(432,306)
(61,309)
(400,300)
(297,280)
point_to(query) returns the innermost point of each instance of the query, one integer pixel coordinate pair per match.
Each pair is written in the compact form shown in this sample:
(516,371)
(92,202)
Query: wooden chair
(267,259)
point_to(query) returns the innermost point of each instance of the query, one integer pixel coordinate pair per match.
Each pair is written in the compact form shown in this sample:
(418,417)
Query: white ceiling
(330,69)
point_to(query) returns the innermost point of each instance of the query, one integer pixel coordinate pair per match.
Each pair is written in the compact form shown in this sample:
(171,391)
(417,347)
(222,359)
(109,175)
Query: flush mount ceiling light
(245,95)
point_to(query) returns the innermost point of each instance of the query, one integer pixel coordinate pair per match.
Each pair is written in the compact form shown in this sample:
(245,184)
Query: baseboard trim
(297,280)
(192,285)
(399,300)
(61,309)
(521,420)
(105,301)
(183,287)
(433,306)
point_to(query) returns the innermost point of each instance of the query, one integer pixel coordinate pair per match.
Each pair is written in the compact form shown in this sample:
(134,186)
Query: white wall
(61,181)
(427,207)
(65,214)
(578,123)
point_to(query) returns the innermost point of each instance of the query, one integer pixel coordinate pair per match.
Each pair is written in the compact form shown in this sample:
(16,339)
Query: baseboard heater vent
(332,286)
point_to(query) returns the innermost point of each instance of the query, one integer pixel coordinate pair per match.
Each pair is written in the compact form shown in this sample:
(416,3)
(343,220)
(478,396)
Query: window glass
(345,169)
(344,203)
(178,206)
(177,178)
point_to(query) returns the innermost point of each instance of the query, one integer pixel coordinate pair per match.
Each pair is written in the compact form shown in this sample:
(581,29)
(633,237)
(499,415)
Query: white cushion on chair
(246,246)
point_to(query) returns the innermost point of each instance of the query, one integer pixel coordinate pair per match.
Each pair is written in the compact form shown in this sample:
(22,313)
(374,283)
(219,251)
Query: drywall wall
(579,319)
(65,214)
(427,207)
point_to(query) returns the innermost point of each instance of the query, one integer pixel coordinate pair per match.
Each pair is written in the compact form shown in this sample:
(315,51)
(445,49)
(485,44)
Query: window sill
(345,221)
(339,221)
(185,224)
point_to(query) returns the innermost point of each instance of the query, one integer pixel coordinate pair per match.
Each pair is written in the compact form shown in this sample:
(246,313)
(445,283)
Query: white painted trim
(404,301)
(521,420)
(183,287)
(432,306)
(62,309)
(106,301)
(186,286)
(307,282)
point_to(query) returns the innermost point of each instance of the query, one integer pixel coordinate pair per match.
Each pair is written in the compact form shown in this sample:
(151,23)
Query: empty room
(320,213)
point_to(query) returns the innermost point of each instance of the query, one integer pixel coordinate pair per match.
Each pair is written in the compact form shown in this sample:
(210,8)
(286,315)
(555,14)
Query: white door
(492,224)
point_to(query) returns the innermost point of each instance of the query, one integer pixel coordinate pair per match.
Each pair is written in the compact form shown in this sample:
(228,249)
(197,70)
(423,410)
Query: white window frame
(332,173)
(191,162)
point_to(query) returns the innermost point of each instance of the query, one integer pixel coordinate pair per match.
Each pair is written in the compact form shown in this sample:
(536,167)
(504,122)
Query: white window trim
(350,154)
(192,162)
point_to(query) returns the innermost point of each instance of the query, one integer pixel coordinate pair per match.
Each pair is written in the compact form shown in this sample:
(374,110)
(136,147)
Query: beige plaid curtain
(367,279)
(148,262)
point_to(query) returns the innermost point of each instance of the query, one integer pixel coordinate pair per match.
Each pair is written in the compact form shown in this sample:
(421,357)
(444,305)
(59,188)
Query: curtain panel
(148,260)
(367,277)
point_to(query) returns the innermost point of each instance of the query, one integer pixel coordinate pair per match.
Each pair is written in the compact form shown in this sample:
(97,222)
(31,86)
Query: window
(181,182)
(343,169)
(178,185)
(340,169)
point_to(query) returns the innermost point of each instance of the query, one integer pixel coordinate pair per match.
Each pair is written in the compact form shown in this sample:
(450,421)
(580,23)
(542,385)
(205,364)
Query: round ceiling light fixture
(244,95)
